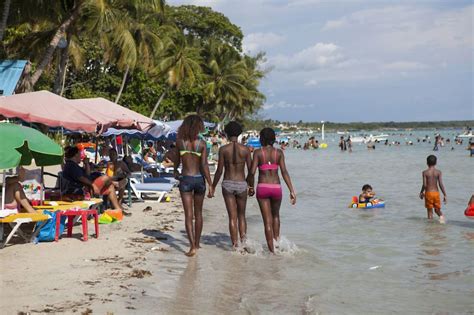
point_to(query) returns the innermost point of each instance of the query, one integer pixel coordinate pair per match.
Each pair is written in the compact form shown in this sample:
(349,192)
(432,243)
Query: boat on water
(342,133)
(370,138)
(466,135)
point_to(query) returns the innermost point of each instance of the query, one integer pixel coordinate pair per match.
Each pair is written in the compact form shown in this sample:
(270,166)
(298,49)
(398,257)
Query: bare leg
(276,203)
(441,216)
(187,199)
(265,209)
(21,200)
(231,205)
(430,213)
(198,202)
(241,205)
(113,197)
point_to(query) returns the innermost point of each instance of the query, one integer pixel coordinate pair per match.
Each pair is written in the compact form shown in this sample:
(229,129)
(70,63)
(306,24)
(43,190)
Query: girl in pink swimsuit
(269,193)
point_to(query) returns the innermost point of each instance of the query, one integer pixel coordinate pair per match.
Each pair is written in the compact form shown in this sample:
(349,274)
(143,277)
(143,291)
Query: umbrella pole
(42,186)
(96,149)
(3,190)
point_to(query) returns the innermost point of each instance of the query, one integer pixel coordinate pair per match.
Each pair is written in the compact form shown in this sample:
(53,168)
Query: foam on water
(285,247)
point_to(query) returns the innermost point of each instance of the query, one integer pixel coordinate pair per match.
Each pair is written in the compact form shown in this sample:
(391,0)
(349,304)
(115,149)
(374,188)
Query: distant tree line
(258,124)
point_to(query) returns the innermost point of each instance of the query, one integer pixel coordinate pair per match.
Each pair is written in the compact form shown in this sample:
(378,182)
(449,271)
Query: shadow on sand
(165,238)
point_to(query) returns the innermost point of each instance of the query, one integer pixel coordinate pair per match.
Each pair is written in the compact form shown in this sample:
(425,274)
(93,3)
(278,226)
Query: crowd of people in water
(237,163)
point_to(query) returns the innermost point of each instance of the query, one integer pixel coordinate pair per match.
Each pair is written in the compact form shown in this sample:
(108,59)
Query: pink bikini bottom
(271,191)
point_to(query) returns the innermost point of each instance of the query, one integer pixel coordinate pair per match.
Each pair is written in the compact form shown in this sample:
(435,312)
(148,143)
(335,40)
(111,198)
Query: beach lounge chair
(16,220)
(146,178)
(140,189)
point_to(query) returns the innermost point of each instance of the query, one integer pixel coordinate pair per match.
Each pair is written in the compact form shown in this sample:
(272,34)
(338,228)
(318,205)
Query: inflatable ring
(369,205)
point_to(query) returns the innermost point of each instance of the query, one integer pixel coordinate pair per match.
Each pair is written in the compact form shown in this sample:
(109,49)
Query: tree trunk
(64,80)
(3,23)
(124,80)
(158,104)
(48,55)
(61,73)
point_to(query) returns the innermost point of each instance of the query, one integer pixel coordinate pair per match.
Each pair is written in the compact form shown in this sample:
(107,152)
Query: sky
(354,60)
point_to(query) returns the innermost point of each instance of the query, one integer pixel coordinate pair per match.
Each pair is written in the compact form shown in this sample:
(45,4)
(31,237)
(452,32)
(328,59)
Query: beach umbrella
(19,145)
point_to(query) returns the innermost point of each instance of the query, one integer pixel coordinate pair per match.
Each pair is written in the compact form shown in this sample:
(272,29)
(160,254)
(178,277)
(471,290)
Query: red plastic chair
(71,215)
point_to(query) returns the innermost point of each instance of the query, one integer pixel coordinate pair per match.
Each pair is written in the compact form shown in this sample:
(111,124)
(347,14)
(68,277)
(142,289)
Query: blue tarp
(10,74)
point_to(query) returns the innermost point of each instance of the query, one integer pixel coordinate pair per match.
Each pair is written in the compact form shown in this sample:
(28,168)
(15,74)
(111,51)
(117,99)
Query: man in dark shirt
(79,178)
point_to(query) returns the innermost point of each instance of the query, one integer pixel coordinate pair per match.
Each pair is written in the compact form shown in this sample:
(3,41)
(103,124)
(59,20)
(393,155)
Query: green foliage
(206,24)
(190,53)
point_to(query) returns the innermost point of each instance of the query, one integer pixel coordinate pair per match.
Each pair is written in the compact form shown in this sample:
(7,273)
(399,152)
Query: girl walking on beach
(193,157)
(269,193)
(233,158)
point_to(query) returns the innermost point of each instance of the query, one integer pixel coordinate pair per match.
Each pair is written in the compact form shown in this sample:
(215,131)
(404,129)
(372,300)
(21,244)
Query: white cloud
(404,66)
(318,56)
(335,24)
(409,28)
(311,82)
(256,42)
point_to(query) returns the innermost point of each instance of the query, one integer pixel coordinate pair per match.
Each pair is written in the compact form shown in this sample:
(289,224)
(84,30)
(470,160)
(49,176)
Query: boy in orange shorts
(431,179)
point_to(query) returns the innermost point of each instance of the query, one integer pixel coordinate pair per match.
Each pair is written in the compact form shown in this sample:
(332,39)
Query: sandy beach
(100,275)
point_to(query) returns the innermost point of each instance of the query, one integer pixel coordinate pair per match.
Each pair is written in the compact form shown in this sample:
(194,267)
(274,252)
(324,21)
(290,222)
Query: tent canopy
(112,114)
(89,115)
(46,108)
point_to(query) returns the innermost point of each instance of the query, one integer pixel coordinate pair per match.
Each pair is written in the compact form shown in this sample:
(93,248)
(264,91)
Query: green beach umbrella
(19,145)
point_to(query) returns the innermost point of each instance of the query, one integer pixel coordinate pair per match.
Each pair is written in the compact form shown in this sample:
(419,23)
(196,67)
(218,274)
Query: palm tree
(179,62)
(136,39)
(225,71)
(3,22)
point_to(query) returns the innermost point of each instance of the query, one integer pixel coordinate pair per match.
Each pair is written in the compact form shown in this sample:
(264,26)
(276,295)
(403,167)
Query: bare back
(270,156)
(191,162)
(431,179)
(235,157)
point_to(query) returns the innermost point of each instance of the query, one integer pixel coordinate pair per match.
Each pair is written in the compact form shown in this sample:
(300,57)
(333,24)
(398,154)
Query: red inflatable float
(469,211)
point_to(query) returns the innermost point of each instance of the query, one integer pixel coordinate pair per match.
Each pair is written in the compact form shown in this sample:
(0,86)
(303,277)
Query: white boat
(370,138)
(341,133)
(466,135)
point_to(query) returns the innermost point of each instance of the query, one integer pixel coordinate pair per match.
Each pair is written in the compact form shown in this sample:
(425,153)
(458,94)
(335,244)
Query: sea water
(331,258)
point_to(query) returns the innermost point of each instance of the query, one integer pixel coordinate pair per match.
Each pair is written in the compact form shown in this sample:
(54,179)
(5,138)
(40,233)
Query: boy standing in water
(431,179)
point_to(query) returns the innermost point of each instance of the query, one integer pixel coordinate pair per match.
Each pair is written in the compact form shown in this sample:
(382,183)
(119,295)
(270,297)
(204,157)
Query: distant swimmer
(234,158)
(269,160)
(432,178)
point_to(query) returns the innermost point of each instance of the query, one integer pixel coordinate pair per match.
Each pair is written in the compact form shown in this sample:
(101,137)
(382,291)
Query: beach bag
(48,231)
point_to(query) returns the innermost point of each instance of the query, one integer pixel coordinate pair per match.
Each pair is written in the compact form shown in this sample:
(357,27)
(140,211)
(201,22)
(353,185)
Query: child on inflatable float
(367,199)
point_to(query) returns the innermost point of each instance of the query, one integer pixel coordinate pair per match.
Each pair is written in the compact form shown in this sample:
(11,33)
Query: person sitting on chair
(15,197)
(79,178)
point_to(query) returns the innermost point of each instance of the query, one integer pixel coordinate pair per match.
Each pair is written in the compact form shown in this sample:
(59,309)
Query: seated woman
(119,172)
(135,167)
(79,178)
(15,197)
(170,156)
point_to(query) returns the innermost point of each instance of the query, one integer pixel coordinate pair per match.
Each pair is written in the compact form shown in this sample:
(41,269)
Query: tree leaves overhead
(191,54)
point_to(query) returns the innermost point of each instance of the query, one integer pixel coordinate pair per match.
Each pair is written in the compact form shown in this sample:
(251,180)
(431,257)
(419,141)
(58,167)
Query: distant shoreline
(355,126)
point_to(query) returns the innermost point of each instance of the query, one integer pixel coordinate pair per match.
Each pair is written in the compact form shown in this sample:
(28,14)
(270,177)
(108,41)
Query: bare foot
(191,253)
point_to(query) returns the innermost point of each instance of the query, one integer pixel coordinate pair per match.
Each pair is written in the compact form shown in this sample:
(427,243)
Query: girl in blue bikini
(193,157)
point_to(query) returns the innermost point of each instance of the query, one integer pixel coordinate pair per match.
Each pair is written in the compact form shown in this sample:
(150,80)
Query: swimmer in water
(432,178)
